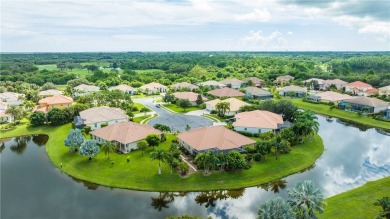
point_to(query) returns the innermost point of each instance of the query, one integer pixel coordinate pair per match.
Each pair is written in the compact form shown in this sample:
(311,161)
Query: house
(257,82)
(364,104)
(49,93)
(358,88)
(235,105)
(257,121)
(96,116)
(153,88)
(12,98)
(386,113)
(84,89)
(226,92)
(314,83)
(58,101)
(124,134)
(212,84)
(283,79)
(191,96)
(124,88)
(232,83)
(184,85)
(384,91)
(289,90)
(339,84)
(4,117)
(258,93)
(328,96)
(215,138)
(370,92)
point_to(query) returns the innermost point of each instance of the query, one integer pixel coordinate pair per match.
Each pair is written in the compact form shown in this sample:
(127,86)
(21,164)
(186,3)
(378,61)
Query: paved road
(176,121)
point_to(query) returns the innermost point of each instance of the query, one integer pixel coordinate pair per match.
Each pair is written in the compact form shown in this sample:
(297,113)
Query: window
(95,125)
(259,130)
(245,129)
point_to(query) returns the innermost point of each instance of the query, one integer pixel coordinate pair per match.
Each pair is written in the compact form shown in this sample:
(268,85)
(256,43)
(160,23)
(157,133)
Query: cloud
(257,40)
(202,5)
(290,33)
(136,37)
(260,15)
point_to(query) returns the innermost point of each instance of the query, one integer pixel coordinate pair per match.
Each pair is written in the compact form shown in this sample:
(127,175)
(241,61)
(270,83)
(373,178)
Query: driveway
(176,121)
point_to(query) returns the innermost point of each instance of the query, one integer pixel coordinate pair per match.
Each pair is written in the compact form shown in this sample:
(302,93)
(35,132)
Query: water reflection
(275,186)
(2,147)
(88,185)
(20,144)
(209,198)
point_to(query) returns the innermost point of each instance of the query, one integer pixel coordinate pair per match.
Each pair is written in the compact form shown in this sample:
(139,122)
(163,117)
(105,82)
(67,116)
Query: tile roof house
(226,92)
(124,134)
(364,104)
(310,82)
(258,93)
(257,121)
(257,82)
(12,98)
(186,85)
(328,96)
(124,88)
(96,116)
(283,79)
(235,105)
(191,96)
(384,91)
(50,92)
(58,101)
(84,89)
(4,117)
(298,91)
(153,88)
(213,84)
(358,88)
(340,84)
(214,138)
(232,82)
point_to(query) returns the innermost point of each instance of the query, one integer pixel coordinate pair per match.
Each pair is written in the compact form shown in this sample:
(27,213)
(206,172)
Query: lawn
(357,203)
(141,173)
(178,109)
(52,67)
(139,106)
(353,117)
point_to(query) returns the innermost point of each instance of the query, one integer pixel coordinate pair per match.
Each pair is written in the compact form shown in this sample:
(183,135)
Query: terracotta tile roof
(256,81)
(257,91)
(371,91)
(368,101)
(50,92)
(102,114)
(87,88)
(358,84)
(56,100)
(191,96)
(184,85)
(44,109)
(333,96)
(152,86)
(214,137)
(293,88)
(235,104)
(212,83)
(125,132)
(123,87)
(335,81)
(3,104)
(226,92)
(258,119)
(232,81)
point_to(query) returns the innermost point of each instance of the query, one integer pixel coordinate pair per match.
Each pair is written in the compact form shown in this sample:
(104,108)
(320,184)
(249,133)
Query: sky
(194,25)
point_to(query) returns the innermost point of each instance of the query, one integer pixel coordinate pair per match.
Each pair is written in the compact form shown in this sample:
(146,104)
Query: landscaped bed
(141,173)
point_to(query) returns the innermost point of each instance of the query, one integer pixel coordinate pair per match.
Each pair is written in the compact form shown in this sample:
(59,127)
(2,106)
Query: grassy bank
(353,117)
(178,109)
(141,173)
(357,203)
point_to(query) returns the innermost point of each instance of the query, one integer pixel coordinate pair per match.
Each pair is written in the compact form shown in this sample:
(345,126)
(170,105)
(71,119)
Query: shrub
(213,112)
(202,106)
(248,134)
(87,129)
(128,159)
(257,157)
(104,125)
(134,108)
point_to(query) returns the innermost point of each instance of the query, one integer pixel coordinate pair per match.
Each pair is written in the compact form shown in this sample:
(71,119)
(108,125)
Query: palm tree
(15,111)
(384,202)
(306,123)
(142,145)
(29,105)
(305,200)
(275,209)
(222,108)
(280,146)
(207,160)
(108,147)
(158,154)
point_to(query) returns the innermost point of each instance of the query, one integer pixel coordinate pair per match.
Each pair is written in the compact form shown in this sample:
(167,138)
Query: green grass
(353,117)
(357,203)
(178,109)
(141,173)
(47,67)
(139,106)
(212,117)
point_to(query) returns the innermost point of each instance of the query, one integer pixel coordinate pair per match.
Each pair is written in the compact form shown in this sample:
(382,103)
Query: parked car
(158,105)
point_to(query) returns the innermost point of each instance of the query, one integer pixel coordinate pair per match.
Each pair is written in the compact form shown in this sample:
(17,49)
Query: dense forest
(138,68)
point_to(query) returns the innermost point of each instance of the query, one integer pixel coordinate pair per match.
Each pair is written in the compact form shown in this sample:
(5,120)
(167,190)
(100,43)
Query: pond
(31,187)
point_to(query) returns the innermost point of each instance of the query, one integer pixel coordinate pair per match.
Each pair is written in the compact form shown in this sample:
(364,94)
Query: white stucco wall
(251,129)
(379,109)
(98,125)
(124,148)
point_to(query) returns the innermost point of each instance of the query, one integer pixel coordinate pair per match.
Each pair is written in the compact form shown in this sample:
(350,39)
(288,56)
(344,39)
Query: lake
(31,187)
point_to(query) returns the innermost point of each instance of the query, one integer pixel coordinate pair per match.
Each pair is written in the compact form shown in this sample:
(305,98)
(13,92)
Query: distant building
(384,91)
(212,84)
(124,88)
(298,91)
(314,83)
(257,121)
(215,138)
(226,92)
(339,84)
(281,80)
(4,117)
(49,93)
(58,101)
(124,134)
(191,96)
(233,83)
(364,104)
(256,82)
(153,88)
(328,96)
(359,88)
(181,85)
(12,98)
(235,105)
(84,89)
(258,93)
(96,116)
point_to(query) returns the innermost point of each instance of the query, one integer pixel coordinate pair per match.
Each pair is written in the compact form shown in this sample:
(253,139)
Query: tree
(187,128)
(48,86)
(153,139)
(263,147)
(142,145)
(171,159)
(199,99)
(249,83)
(29,105)
(184,103)
(15,111)
(275,209)
(58,116)
(144,110)
(305,124)
(108,147)
(38,118)
(74,139)
(384,202)
(158,154)
(291,94)
(168,97)
(280,146)
(206,160)
(305,200)
(236,160)
(89,149)
(184,168)
(222,108)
